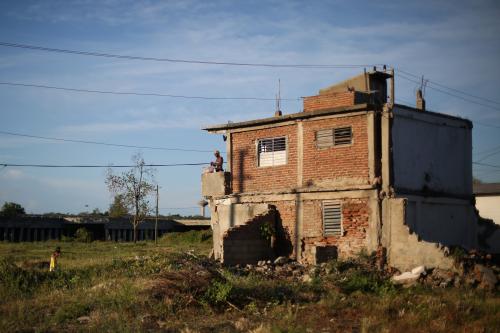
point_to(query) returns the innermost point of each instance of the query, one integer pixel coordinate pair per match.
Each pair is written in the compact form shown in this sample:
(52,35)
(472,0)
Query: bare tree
(134,186)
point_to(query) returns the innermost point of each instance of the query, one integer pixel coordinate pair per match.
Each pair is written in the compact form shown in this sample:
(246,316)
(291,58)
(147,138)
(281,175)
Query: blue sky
(454,43)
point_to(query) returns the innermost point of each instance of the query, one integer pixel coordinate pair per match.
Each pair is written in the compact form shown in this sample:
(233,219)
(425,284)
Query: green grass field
(174,287)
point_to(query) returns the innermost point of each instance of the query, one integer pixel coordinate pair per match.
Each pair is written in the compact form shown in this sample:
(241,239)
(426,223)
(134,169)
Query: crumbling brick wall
(345,165)
(245,244)
(355,218)
(247,176)
(286,215)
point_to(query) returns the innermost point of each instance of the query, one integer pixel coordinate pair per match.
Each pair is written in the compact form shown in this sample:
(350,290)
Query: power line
(489,155)
(449,88)
(110,92)
(488,165)
(193,207)
(451,94)
(97,166)
(188,61)
(101,143)
(484,124)
(489,150)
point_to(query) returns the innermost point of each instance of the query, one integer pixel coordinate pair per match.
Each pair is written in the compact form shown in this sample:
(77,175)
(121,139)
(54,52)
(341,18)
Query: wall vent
(334,137)
(332,218)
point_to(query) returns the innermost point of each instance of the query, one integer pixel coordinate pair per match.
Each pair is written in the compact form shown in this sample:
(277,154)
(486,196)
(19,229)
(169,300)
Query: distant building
(34,228)
(488,200)
(352,172)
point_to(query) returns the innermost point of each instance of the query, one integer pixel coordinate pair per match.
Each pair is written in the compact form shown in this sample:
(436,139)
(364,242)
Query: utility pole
(156,220)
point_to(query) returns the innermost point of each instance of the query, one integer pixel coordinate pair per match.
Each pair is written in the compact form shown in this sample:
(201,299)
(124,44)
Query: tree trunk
(135,230)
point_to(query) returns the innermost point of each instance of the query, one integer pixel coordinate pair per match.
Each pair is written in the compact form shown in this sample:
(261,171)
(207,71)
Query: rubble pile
(472,270)
(280,268)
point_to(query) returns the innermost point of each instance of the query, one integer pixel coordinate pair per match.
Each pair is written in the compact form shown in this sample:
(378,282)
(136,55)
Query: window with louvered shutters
(333,137)
(332,218)
(272,152)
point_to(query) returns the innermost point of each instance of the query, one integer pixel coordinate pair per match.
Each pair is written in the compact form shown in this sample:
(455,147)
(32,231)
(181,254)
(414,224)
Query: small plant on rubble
(267,231)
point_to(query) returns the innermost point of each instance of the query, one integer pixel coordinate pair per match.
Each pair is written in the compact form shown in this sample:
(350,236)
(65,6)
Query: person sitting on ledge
(217,164)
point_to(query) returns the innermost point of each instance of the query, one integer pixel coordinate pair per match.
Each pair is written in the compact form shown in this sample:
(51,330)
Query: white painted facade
(431,152)
(489,207)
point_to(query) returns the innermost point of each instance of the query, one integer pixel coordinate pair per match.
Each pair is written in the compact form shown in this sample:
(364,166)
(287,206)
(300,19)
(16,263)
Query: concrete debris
(485,276)
(281,260)
(83,320)
(418,270)
(405,278)
(306,278)
(284,268)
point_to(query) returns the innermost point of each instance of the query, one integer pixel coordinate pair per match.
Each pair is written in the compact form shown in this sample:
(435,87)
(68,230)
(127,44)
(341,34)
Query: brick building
(352,172)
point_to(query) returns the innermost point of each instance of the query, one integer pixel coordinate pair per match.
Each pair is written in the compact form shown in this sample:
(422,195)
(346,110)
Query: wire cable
(98,166)
(488,165)
(103,143)
(484,124)
(192,207)
(110,92)
(451,94)
(449,88)
(188,61)
(488,156)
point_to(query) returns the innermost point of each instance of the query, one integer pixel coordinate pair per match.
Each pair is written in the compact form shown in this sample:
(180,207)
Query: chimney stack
(420,100)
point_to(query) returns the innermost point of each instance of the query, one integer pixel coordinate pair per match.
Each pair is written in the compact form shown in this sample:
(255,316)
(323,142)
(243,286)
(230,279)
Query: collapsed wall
(250,242)
(488,236)
(415,236)
(236,223)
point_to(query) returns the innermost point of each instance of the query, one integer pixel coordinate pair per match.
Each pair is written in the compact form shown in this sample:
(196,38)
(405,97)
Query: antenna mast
(278,112)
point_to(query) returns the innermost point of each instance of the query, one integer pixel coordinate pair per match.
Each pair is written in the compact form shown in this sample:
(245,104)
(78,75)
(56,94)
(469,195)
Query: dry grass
(121,287)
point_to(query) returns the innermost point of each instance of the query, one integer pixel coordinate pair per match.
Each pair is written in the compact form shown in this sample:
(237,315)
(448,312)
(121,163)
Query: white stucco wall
(431,152)
(489,207)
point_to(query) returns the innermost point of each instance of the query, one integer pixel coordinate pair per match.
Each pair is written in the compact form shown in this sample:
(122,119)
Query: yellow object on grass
(53,263)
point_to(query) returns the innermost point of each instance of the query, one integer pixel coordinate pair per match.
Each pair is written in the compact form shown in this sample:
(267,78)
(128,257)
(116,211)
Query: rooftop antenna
(423,85)
(278,112)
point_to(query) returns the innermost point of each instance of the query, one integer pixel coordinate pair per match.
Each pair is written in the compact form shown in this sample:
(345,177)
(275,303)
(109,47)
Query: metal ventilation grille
(272,152)
(342,136)
(332,218)
(333,137)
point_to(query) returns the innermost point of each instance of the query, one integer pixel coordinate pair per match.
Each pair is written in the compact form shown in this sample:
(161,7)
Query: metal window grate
(272,152)
(332,218)
(333,137)
(342,136)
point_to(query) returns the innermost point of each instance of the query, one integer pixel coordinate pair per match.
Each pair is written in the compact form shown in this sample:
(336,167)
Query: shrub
(363,281)
(83,235)
(187,238)
(218,293)
(71,311)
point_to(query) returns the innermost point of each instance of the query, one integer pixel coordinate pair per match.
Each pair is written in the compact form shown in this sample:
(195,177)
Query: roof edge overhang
(293,116)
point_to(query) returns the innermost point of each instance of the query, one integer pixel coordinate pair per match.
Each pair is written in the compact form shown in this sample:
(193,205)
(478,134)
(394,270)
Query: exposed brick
(340,161)
(247,176)
(355,217)
(333,100)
